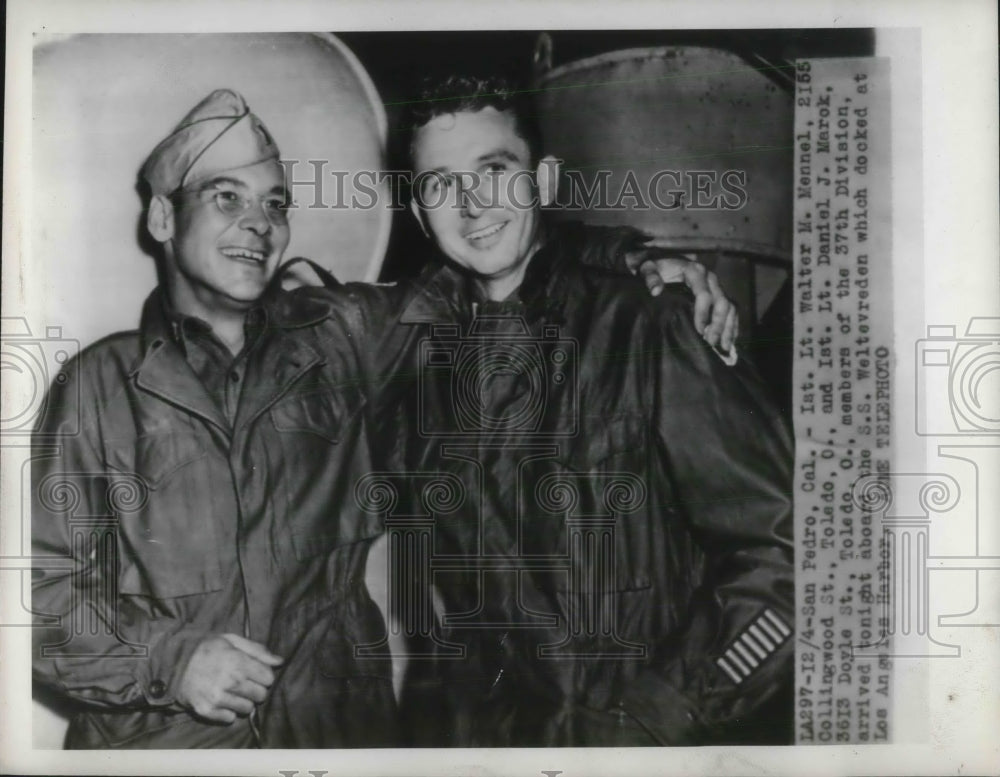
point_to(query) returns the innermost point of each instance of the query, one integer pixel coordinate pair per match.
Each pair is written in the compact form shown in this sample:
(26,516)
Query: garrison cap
(220,133)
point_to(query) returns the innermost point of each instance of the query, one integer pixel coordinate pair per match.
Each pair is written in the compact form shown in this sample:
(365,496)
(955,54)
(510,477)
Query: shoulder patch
(754,646)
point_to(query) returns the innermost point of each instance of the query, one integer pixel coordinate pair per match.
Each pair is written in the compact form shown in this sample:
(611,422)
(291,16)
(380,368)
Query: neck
(231,332)
(227,321)
(499,289)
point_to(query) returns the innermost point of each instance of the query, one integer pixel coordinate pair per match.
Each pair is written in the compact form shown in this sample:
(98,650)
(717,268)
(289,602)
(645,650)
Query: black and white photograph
(537,393)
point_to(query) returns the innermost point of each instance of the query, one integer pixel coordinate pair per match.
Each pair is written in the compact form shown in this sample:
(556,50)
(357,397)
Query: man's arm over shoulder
(89,643)
(627,250)
(730,457)
(369,315)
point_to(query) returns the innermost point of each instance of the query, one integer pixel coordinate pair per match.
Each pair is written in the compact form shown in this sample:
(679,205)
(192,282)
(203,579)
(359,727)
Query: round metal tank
(102,102)
(679,109)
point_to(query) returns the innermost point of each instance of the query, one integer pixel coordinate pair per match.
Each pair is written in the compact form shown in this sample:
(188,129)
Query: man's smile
(244,254)
(482,235)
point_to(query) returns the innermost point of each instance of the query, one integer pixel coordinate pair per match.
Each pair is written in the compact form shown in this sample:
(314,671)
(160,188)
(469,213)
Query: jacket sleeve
(368,313)
(386,349)
(88,642)
(730,459)
(609,248)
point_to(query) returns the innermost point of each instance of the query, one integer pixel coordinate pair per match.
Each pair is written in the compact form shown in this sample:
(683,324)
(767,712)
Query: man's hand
(715,316)
(226,676)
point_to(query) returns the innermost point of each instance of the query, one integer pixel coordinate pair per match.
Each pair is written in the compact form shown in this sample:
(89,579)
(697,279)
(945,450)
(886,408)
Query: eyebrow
(277,189)
(213,182)
(441,169)
(499,153)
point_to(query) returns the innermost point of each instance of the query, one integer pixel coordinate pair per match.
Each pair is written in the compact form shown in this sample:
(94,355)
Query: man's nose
(472,203)
(473,194)
(255,219)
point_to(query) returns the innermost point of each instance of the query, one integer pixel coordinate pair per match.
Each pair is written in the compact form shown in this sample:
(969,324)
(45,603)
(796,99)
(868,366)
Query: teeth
(244,253)
(479,234)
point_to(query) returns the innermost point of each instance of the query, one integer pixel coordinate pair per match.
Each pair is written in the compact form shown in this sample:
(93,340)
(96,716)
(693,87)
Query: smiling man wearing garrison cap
(237,417)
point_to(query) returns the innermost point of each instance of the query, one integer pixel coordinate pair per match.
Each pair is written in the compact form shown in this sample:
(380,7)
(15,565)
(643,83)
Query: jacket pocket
(316,414)
(321,452)
(167,539)
(155,457)
(323,414)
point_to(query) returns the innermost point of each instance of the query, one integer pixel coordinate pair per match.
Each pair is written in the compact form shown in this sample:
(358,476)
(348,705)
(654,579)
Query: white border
(950,264)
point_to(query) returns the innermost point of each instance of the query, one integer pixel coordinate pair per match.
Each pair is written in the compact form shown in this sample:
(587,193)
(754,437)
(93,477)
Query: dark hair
(456,94)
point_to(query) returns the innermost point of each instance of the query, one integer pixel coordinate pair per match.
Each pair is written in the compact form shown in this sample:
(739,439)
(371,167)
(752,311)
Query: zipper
(254,717)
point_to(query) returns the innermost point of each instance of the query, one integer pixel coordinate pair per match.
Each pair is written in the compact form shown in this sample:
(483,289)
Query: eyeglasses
(232,204)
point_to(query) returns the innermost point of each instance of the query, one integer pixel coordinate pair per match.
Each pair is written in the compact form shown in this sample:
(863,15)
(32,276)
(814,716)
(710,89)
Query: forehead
(263,177)
(456,141)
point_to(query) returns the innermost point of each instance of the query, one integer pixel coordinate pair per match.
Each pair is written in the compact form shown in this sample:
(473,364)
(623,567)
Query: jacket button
(157,689)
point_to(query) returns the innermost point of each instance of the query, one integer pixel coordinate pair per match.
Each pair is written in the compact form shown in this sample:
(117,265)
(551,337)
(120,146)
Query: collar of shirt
(185,330)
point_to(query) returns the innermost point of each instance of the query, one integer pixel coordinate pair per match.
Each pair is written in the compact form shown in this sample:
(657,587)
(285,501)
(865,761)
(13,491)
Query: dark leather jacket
(605,506)
(156,523)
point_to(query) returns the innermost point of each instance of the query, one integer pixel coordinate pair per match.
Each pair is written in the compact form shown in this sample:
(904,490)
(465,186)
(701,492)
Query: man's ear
(419,216)
(160,218)
(547,176)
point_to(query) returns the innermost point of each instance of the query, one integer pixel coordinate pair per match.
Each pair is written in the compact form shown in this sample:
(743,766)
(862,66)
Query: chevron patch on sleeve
(754,646)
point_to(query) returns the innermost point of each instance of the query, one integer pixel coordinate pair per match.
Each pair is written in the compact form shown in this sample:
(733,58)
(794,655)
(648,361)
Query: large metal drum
(699,114)
(686,110)
(100,104)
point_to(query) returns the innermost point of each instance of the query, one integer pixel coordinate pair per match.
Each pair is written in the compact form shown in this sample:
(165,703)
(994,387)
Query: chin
(487,266)
(246,296)
(249,288)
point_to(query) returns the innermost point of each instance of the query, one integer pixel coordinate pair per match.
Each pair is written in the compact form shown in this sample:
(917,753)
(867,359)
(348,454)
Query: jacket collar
(280,359)
(281,309)
(162,369)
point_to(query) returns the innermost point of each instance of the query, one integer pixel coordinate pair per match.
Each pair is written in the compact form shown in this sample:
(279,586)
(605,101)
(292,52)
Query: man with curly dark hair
(620,569)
